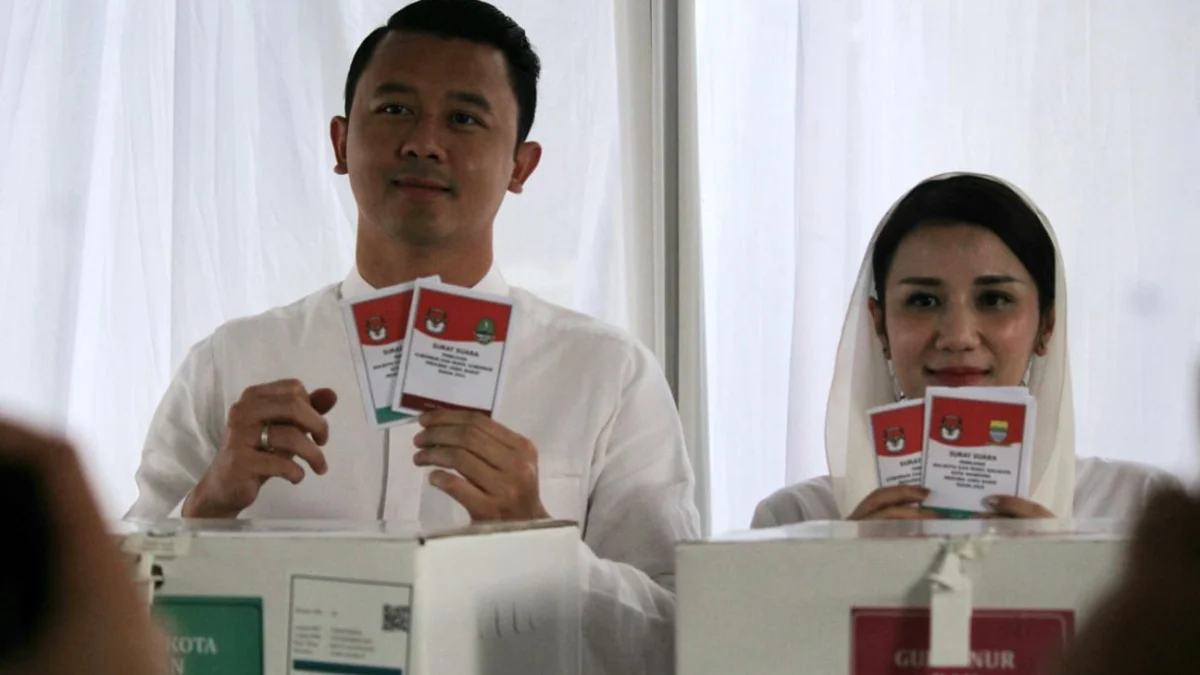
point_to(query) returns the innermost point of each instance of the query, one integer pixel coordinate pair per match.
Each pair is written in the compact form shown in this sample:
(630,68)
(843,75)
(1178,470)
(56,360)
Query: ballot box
(943,596)
(254,597)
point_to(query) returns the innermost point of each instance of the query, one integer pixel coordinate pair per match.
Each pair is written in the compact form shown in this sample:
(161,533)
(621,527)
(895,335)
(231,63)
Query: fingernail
(419,458)
(437,480)
(992,501)
(419,439)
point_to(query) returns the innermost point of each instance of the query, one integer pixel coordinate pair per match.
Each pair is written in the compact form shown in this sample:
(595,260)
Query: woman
(962,285)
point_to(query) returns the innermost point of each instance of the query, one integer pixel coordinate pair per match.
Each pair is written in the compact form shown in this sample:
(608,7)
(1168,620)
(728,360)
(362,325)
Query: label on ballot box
(213,635)
(349,626)
(1015,642)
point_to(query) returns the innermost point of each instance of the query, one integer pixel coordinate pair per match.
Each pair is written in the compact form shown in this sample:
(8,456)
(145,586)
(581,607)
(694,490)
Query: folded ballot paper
(898,433)
(376,325)
(964,444)
(455,353)
(425,345)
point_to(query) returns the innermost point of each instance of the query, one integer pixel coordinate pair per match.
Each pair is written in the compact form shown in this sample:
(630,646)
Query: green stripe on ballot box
(213,635)
(342,669)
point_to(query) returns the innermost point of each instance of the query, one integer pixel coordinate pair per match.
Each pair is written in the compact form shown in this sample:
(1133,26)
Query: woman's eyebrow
(920,281)
(994,279)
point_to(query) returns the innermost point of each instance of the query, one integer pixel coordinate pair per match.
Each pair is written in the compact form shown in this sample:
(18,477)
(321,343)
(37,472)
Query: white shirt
(1104,489)
(593,401)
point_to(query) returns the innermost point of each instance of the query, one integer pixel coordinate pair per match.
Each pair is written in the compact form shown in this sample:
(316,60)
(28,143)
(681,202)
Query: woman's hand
(898,502)
(1008,506)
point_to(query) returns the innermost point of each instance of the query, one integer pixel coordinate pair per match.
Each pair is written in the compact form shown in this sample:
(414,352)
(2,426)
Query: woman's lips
(958,376)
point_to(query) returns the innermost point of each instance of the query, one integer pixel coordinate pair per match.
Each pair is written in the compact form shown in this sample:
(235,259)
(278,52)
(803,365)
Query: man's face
(429,146)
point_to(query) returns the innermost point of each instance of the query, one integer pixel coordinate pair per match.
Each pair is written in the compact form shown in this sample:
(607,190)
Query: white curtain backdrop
(814,116)
(167,168)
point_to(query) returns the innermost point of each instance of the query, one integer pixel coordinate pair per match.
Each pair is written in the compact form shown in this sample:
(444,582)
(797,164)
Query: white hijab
(861,380)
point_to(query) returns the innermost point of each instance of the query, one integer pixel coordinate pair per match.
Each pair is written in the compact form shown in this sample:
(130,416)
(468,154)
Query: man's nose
(424,140)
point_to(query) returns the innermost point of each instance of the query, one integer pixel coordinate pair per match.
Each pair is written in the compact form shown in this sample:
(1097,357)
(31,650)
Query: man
(264,418)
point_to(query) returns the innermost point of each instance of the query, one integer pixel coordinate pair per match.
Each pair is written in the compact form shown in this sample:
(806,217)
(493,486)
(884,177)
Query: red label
(414,402)
(461,318)
(382,320)
(898,432)
(1015,642)
(964,422)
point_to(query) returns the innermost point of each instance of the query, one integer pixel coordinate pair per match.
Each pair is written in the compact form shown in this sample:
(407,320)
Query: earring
(897,392)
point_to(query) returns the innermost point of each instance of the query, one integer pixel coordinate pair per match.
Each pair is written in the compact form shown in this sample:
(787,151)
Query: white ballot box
(297,597)
(945,596)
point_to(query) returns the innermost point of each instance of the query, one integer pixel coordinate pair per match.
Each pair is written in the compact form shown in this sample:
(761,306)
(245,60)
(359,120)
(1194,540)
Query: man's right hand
(898,502)
(297,428)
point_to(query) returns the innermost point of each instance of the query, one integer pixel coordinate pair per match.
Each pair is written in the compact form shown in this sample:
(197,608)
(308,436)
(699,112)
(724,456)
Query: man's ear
(339,129)
(1045,331)
(880,325)
(527,157)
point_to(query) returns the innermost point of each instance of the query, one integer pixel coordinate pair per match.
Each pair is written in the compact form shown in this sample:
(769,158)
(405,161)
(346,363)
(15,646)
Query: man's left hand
(495,470)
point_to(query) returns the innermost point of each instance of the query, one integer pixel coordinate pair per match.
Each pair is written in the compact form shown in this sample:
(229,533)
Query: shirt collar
(493,282)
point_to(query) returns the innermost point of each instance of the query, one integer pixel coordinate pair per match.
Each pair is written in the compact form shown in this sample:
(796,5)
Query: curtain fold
(745,138)
(692,354)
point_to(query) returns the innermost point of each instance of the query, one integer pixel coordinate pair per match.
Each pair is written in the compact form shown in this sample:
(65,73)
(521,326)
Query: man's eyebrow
(394,88)
(472,99)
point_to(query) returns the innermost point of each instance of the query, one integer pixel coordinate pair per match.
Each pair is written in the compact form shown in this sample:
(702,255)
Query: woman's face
(960,310)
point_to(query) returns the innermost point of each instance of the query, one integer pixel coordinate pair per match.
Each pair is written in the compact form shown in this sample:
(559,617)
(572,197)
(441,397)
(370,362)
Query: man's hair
(472,20)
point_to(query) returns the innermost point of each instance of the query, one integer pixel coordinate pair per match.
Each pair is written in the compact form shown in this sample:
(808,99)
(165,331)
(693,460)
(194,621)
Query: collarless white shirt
(593,401)
(1104,489)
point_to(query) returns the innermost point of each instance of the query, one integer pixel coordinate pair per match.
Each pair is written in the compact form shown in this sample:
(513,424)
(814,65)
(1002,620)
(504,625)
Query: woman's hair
(973,200)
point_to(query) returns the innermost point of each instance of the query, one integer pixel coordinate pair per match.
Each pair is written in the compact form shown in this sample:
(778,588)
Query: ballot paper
(897,431)
(376,325)
(978,443)
(455,353)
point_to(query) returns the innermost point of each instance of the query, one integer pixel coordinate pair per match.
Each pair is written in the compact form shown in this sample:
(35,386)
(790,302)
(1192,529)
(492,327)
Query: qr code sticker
(395,618)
